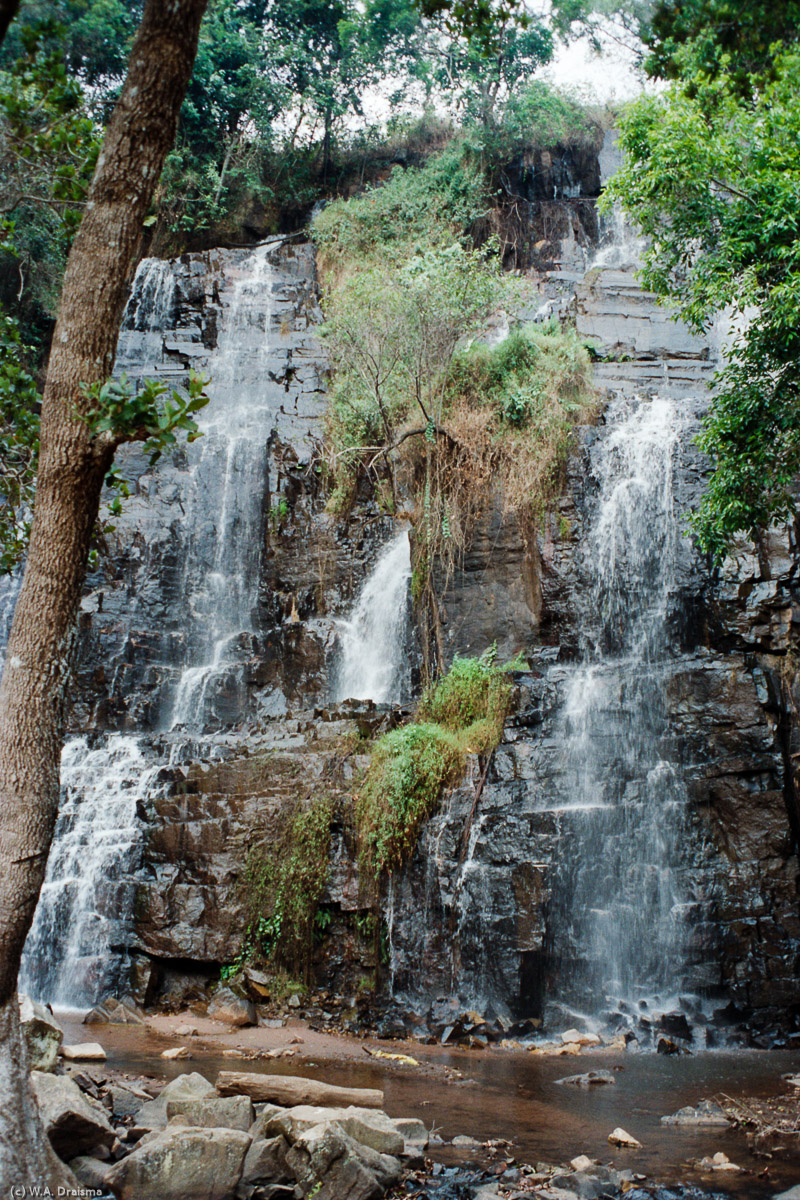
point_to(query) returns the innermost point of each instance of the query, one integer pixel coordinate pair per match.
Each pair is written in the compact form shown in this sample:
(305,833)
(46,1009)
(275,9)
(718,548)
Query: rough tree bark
(72,467)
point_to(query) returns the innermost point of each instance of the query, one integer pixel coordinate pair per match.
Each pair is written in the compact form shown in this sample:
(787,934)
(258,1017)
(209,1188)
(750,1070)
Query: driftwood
(289,1090)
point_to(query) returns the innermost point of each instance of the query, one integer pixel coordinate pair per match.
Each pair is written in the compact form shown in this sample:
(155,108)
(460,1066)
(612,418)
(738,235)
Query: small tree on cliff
(75,456)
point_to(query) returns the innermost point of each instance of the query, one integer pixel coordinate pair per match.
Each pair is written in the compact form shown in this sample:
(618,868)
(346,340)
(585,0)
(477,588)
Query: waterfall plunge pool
(504,1095)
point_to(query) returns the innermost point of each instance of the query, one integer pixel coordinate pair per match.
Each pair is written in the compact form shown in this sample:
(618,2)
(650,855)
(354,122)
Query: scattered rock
(462,1140)
(230,1112)
(619,1137)
(572,1036)
(366,1126)
(667,1046)
(589,1079)
(326,1155)
(43,1034)
(84,1052)
(90,1172)
(190,1086)
(582,1163)
(294,1001)
(226,1006)
(125,1102)
(717,1162)
(256,983)
(74,1124)
(115,1012)
(182,1163)
(569,1048)
(707,1113)
(266,1162)
(183,1031)
(177,1052)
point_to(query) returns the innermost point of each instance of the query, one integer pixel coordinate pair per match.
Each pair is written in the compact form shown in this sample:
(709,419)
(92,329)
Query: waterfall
(616,930)
(371,660)
(75,950)
(72,954)
(226,491)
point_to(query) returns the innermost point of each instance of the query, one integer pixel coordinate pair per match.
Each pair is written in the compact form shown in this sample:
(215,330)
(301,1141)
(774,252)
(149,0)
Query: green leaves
(713,180)
(154,415)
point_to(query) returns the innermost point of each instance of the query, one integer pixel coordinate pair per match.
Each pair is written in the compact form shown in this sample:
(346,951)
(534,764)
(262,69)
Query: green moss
(283,885)
(411,766)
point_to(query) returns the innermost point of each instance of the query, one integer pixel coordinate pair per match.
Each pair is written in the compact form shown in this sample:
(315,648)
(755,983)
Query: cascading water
(372,642)
(74,952)
(220,575)
(616,927)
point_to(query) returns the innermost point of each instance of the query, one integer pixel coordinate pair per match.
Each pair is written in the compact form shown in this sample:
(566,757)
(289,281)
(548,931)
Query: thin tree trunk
(72,467)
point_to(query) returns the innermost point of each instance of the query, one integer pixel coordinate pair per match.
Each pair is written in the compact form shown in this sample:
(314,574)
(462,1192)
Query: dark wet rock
(668,1046)
(182,1164)
(74,1123)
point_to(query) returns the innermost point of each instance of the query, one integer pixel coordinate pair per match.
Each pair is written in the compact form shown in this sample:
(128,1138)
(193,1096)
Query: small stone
(569,1048)
(707,1113)
(294,1000)
(177,1052)
(580,1039)
(462,1140)
(186,1031)
(84,1052)
(582,1163)
(90,1172)
(619,1137)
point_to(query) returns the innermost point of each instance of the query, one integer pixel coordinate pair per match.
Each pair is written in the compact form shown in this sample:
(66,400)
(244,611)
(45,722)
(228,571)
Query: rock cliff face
(487,907)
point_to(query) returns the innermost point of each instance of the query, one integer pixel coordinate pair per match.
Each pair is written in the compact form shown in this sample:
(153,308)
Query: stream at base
(515,1097)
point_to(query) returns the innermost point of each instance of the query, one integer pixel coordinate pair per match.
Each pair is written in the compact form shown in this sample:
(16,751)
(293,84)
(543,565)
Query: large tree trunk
(72,467)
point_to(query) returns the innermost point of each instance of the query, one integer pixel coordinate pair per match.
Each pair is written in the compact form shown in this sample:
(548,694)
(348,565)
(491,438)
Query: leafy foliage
(410,766)
(284,882)
(19,443)
(714,182)
(114,409)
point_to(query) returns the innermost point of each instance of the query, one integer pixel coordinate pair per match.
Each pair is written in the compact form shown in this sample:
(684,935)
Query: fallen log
(290,1090)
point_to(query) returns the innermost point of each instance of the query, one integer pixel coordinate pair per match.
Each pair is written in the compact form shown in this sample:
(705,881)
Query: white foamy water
(70,956)
(372,642)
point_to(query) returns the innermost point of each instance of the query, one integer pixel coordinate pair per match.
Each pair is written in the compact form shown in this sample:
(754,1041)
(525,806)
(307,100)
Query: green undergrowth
(411,766)
(283,883)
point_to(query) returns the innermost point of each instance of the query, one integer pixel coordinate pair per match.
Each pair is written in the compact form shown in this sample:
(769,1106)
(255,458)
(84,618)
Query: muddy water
(515,1096)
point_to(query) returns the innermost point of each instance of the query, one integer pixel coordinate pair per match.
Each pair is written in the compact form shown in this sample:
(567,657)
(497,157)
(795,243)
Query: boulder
(90,1172)
(177,1052)
(229,1112)
(115,1012)
(366,1126)
(589,1079)
(330,1165)
(619,1137)
(182,1163)
(73,1123)
(266,1162)
(226,1006)
(43,1034)
(707,1113)
(573,1037)
(84,1052)
(190,1086)
(124,1101)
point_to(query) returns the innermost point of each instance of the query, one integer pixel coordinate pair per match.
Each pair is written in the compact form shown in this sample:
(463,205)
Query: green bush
(283,884)
(410,767)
